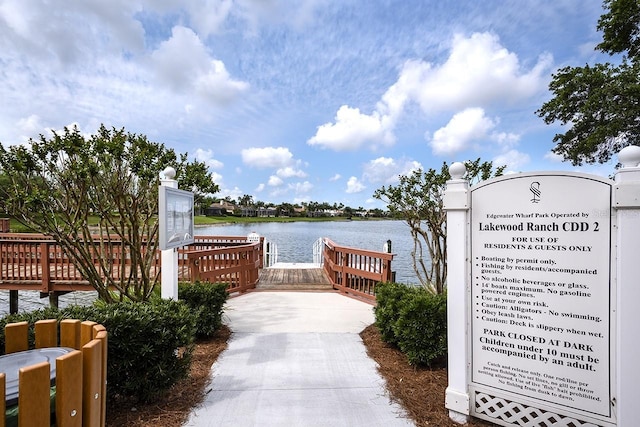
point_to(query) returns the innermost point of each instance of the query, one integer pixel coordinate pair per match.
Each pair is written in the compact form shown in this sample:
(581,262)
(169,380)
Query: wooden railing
(36,262)
(80,380)
(356,271)
(237,266)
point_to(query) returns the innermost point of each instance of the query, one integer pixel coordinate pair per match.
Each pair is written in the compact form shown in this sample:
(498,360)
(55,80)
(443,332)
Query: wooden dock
(292,277)
(37,262)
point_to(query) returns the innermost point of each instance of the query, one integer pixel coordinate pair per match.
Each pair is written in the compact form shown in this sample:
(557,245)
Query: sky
(296,101)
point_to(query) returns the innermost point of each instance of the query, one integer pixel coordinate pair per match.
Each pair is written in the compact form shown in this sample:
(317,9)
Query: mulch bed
(175,406)
(419,390)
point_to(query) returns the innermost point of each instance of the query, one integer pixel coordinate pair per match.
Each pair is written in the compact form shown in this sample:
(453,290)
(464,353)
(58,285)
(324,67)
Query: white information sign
(175,215)
(540,289)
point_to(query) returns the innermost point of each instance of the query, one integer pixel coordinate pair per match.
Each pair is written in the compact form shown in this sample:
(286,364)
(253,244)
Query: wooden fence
(236,266)
(36,262)
(356,271)
(81,375)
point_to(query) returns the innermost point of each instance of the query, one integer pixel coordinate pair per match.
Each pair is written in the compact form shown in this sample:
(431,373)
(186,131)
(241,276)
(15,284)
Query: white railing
(318,252)
(270,251)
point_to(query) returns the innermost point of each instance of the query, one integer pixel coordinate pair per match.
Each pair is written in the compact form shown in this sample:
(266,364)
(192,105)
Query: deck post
(13,301)
(53,299)
(46,269)
(626,203)
(456,203)
(169,257)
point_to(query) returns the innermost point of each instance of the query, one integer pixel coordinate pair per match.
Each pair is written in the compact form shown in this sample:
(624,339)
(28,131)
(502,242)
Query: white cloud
(506,140)
(233,193)
(206,156)
(268,157)
(463,128)
(260,188)
(66,31)
(183,63)
(335,177)
(216,177)
(352,130)
(354,186)
(478,72)
(386,170)
(275,181)
(208,16)
(301,187)
(514,160)
(288,172)
(29,127)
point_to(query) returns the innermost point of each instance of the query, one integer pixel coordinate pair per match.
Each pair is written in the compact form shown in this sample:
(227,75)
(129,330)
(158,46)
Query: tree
(601,102)
(418,199)
(4,184)
(285,209)
(195,177)
(58,185)
(246,200)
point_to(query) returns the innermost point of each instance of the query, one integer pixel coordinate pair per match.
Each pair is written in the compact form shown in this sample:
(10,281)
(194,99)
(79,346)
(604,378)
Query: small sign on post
(175,224)
(175,213)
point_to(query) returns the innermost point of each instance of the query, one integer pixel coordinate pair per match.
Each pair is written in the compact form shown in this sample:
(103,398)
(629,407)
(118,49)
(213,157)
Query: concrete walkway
(296,359)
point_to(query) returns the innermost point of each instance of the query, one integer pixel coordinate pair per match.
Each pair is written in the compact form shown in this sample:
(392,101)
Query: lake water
(295,239)
(295,244)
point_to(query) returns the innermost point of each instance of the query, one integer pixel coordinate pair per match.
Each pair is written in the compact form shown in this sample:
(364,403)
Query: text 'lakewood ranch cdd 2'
(541,321)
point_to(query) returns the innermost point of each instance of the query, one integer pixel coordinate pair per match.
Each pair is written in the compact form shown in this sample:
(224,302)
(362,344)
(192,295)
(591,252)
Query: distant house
(220,209)
(268,211)
(284,212)
(248,211)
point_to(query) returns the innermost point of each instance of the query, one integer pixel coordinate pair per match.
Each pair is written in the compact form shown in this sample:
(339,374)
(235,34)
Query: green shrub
(150,344)
(421,328)
(387,311)
(206,301)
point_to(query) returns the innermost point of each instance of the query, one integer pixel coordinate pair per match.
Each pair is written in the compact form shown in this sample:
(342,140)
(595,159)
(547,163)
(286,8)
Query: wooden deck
(294,279)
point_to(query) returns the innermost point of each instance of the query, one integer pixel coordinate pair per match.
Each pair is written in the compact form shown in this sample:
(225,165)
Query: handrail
(36,262)
(356,271)
(237,266)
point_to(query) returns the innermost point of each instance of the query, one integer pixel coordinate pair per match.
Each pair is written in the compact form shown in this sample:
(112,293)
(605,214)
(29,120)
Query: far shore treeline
(203,220)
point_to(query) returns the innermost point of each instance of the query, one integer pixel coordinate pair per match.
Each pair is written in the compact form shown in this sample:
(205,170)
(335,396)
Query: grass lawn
(212,220)
(16,227)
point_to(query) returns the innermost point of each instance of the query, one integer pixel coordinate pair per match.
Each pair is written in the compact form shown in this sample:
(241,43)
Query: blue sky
(292,101)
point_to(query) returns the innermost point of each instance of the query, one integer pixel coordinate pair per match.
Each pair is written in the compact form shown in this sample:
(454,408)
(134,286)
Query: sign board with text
(542,293)
(175,217)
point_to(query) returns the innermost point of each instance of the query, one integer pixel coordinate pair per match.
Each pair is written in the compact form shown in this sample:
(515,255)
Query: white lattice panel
(505,412)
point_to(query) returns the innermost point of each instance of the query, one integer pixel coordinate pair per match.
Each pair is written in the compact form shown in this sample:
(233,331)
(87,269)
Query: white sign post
(627,207)
(542,297)
(175,218)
